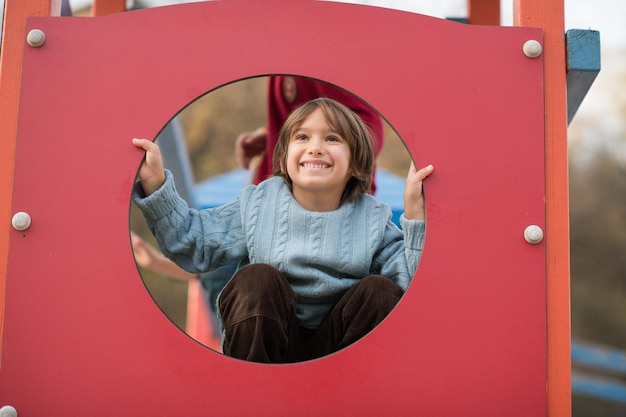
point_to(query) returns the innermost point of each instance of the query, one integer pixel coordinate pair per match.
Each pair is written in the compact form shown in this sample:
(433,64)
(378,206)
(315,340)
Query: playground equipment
(482,329)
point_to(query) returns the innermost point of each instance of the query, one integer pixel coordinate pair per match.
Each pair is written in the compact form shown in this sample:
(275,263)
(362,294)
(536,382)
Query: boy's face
(318,159)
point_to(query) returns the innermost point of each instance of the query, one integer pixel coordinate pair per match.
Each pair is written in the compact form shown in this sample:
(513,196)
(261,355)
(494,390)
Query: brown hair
(349,126)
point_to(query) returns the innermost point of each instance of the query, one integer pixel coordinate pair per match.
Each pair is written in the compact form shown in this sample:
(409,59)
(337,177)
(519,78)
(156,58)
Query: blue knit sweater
(322,254)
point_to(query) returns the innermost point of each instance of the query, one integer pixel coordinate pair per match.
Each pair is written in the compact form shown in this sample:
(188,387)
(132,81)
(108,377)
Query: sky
(607,16)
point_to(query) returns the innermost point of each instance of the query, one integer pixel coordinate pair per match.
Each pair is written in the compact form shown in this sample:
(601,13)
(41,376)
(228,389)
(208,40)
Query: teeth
(308,165)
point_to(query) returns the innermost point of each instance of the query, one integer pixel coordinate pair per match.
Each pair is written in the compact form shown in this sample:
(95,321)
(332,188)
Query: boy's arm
(196,240)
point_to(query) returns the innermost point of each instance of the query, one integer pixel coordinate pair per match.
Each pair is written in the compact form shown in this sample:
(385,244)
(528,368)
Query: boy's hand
(249,145)
(414,206)
(151,171)
(145,254)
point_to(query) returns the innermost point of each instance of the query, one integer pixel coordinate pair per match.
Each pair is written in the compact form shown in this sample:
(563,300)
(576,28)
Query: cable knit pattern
(346,237)
(251,221)
(322,254)
(282,230)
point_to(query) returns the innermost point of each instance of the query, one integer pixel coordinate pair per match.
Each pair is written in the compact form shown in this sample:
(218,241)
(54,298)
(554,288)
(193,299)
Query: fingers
(414,205)
(141,143)
(424,172)
(145,144)
(153,153)
(151,171)
(420,175)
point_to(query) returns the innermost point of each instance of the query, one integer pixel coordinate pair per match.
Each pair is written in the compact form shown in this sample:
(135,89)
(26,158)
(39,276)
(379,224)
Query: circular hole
(198,146)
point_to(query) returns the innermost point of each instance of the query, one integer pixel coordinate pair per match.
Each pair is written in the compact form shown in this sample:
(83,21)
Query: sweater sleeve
(399,251)
(196,240)
(414,233)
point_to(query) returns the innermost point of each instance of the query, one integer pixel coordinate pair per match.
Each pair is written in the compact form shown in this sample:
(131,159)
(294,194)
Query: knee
(380,288)
(256,290)
(254,283)
(256,278)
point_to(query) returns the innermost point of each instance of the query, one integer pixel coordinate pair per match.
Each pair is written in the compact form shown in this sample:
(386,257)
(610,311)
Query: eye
(300,136)
(333,138)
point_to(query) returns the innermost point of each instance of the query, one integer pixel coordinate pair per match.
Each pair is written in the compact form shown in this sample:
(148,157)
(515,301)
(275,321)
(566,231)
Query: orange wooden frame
(547,15)
(103,8)
(483,12)
(551,17)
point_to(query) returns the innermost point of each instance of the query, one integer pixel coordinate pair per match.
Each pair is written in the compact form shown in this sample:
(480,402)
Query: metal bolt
(533,234)
(8,411)
(36,38)
(20,221)
(532,48)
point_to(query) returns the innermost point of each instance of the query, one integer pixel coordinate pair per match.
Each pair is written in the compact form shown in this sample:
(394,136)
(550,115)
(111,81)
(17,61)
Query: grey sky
(607,16)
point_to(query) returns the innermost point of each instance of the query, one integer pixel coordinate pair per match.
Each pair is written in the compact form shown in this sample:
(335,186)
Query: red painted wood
(198,324)
(13,41)
(82,334)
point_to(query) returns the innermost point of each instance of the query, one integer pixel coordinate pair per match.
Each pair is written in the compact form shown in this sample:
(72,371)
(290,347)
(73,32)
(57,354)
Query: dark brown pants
(258,309)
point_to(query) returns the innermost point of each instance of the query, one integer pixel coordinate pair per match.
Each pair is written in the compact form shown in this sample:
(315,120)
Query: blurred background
(597,152)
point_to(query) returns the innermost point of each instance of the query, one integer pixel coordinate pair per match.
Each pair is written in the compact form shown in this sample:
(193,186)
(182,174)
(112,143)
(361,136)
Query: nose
(315,146)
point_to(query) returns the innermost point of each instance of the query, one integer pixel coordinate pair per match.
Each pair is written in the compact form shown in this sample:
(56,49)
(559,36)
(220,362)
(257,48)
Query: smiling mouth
(314,165)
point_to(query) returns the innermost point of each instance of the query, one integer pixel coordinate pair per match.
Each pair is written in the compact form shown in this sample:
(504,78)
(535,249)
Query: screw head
(532,49)
(8,411)
(533,234)
(20,221)
(36,38)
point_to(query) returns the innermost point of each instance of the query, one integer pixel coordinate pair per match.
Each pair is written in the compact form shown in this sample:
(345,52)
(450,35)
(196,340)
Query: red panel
(82,334)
